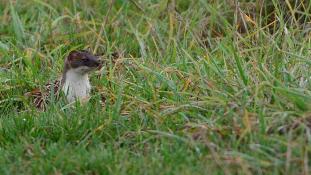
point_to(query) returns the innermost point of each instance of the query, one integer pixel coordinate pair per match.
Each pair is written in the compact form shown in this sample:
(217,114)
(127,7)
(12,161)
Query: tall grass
(191,87)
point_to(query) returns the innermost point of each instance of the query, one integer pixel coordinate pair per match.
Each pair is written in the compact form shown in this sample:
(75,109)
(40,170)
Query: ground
(190,87)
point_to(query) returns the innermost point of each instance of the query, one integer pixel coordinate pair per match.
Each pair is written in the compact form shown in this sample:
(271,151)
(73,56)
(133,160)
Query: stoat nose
(99,63)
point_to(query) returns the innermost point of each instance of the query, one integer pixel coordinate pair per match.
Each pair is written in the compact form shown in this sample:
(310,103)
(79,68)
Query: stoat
(74,82)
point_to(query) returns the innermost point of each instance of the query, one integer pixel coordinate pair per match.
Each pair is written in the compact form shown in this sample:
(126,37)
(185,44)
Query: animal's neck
(73,76)
(75,85)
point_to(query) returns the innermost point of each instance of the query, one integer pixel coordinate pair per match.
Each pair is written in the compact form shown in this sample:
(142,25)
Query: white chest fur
(76,86)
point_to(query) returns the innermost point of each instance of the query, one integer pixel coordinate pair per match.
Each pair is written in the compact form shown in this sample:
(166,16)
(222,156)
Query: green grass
(192,93)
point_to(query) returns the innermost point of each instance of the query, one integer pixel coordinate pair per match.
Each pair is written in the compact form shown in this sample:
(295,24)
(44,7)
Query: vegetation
(190,87)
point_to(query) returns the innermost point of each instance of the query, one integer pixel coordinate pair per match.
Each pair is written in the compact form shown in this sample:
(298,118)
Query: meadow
(189,87)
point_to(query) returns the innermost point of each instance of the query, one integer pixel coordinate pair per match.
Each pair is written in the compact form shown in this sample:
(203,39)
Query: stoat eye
(84,59)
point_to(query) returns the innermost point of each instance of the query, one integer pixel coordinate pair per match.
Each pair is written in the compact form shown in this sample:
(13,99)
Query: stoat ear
(73,55)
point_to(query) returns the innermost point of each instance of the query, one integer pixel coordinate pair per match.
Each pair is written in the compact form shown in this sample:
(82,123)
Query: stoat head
(81,61)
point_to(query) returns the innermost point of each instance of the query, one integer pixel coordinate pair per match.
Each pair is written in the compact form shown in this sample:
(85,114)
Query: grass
(200,87)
